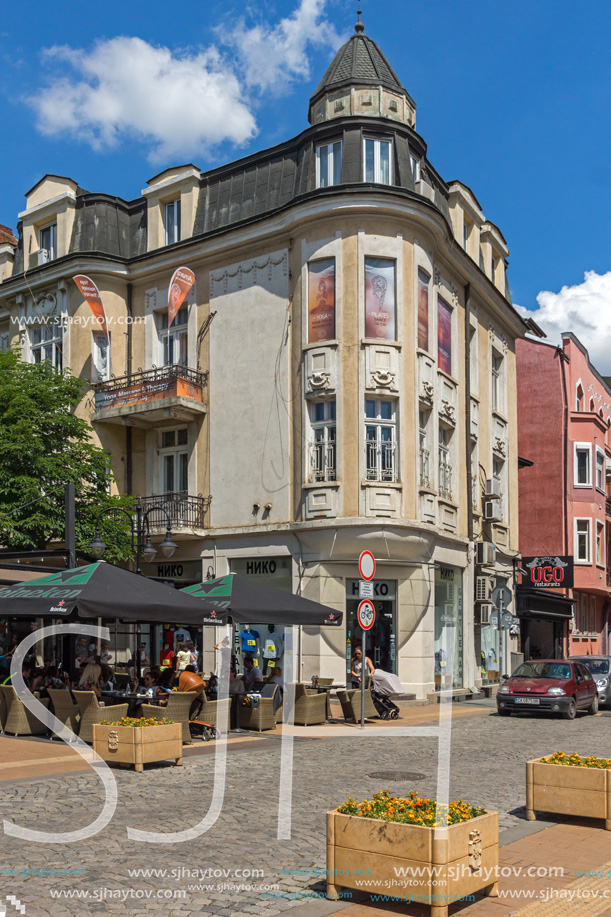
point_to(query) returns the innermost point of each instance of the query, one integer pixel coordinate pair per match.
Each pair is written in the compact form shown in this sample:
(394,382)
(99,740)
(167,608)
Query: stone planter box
(138,745)
(566,790)
(408,861)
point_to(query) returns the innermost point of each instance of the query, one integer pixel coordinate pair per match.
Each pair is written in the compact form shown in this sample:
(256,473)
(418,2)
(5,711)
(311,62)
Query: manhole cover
(396,775)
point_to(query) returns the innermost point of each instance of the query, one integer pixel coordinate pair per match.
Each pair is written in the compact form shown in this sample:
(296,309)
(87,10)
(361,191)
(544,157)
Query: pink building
(564,414)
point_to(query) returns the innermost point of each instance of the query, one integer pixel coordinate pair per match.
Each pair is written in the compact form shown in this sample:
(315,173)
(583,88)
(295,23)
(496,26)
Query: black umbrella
(251,602)
(102,590)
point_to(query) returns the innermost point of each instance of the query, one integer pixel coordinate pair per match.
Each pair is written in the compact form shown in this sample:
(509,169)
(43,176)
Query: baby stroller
(383,687)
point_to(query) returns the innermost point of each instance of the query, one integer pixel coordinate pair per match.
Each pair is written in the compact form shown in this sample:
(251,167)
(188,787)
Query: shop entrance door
(382,638)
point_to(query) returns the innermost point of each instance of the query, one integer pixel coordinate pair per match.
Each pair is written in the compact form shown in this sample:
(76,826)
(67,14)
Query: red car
(549,686)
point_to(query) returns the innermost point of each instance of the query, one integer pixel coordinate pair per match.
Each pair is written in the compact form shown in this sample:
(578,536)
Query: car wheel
(593,708)
(504,712)
(571,710)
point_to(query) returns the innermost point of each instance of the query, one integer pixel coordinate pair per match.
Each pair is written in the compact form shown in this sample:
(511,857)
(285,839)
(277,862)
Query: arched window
(592,406)
(579,398)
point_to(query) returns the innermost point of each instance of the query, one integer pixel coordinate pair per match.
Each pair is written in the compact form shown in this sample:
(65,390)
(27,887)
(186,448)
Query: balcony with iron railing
(445,479)
(425,475)
(147,396)
(184,511)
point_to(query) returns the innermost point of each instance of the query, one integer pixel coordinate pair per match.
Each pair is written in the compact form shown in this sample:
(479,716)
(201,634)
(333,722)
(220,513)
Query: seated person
(51,678)
(90,679)
(150,685)
(252,673)
(164,682)
(275,677)
(30,676)
(106,679)
(236,683)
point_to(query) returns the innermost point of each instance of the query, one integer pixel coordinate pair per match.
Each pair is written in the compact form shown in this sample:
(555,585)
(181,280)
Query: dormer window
(172,222)
(377,161)
(47,243)
(329,164)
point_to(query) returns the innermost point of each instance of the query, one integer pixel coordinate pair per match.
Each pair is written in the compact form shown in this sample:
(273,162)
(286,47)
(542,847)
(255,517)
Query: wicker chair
(64,708)
(260,717)
(19,721)
(182,707)
(310,706)
(217,713)
(93,711)
(351,704)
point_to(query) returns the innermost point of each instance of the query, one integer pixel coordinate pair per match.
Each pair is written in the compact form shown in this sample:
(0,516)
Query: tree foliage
(44,445)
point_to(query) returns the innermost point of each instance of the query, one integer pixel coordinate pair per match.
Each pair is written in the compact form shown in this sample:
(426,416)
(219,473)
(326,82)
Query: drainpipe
(565,447)
(128,429)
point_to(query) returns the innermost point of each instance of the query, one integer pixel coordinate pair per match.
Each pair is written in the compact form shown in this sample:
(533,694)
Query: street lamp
(141,534)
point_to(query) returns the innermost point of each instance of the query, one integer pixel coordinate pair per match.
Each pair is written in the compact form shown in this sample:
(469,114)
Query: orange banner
(180,284)
(91,294)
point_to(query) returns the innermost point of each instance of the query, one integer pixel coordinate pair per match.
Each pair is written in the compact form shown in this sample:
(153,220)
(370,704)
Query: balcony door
(174,341)
(174,458)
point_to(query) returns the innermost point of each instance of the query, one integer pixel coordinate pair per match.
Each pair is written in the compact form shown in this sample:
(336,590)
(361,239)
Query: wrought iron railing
(425,476)
(381,461)
(445,479)
(156,374)
(322,461)
(184,510)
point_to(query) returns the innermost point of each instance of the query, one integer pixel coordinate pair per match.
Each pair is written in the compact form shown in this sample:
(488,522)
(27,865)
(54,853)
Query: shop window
(583,465)
(174,459)
(582,541)
(46,344)
(172,222)
(377,161)
(329,164)
(448,628)
(380,441)
(382,638)
(174,340)
(323,445)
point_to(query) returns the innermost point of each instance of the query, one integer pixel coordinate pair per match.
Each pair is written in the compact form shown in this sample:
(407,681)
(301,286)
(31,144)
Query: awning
(251,602)
(543,603)
(102,590)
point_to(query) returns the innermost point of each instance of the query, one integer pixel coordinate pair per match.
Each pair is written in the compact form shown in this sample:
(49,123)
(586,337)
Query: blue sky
(513,99)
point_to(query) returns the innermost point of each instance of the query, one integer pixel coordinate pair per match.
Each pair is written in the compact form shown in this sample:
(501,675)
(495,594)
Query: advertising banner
(380,299)
(548,572)
(423,311)
(444,337)
(182,280)
(91,294)
(321,300)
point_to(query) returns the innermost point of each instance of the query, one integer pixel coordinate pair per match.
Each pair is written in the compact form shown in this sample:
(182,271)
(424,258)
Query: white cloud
(179,104)
(584,309)
(272,57)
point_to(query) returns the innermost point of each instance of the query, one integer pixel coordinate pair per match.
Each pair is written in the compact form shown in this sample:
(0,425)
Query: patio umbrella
(251,602)
(102,590)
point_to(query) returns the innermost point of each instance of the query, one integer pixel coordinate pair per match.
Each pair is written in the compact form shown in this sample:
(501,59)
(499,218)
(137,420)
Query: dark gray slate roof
(360,62)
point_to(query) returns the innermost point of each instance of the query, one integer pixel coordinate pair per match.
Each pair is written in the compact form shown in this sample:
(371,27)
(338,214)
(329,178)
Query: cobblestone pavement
(487,768)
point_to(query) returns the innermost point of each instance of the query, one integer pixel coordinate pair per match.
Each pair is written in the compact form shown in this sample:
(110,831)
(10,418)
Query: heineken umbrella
(102,590)
(250,602)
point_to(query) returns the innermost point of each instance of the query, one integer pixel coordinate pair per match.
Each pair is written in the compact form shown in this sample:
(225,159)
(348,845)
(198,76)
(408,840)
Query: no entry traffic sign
(367,565)
(366,614)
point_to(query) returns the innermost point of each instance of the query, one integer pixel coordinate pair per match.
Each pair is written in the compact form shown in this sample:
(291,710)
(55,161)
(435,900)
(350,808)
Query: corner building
(341,377)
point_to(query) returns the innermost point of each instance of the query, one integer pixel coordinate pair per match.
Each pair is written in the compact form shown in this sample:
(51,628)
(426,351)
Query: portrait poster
(423,310)
(321,300)
(444,337)
(380,299)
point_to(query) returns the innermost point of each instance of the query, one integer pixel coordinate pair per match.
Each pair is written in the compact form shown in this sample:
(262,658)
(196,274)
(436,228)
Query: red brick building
(564,414)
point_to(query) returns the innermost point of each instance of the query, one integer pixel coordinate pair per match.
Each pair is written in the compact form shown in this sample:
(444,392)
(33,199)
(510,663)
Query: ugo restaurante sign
(548,572)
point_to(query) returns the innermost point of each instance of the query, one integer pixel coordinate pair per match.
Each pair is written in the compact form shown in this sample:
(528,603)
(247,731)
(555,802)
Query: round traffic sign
(367,565)
(366,614)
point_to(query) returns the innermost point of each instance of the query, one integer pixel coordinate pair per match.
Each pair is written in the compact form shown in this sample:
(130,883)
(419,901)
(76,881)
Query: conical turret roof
(360,62)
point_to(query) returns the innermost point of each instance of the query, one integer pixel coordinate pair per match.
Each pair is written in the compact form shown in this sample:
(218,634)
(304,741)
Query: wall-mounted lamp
(267,507)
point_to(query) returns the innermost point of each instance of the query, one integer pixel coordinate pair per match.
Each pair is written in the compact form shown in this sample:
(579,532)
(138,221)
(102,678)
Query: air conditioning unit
(483,588)
(484,554)
(485,610)
(493,488)
(493,511)
(43,255)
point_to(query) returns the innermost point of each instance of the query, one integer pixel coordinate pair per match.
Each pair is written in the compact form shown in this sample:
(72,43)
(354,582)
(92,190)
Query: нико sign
(548,571)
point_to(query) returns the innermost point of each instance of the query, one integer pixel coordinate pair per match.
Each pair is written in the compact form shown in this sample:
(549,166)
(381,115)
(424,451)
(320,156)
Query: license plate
(527,700)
